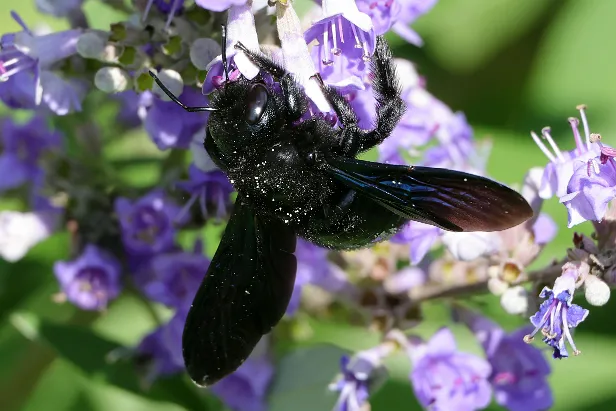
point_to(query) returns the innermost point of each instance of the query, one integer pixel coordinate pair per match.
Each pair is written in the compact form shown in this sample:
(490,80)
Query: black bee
(303,178)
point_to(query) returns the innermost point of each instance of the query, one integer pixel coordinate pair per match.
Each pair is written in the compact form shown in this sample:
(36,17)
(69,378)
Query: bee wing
(451,200)
(244,294)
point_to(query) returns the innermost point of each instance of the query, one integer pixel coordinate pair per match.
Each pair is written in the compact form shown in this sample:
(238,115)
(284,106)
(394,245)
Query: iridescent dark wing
(244,294)
(451,200)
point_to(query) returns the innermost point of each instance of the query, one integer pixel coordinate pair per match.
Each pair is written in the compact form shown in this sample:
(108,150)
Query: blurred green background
(510,65)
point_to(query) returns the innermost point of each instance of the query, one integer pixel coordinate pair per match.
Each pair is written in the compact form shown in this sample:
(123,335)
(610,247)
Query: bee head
(248,113)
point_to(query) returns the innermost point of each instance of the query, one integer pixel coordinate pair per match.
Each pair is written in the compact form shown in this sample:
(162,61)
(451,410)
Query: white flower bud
(21,231)
(497,286)
(515,300)
(596,291)
(469,246)
(112,79)
(91,45)
(203,51)
(172,80)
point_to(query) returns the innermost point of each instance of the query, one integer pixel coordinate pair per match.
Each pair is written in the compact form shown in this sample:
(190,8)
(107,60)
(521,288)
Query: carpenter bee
(302,178)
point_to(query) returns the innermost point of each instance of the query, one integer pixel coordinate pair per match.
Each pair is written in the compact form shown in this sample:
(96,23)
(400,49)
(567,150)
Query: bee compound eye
(256,101)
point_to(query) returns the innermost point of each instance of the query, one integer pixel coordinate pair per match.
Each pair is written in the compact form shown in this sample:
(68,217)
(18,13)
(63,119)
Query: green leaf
(89,352)
(302,379)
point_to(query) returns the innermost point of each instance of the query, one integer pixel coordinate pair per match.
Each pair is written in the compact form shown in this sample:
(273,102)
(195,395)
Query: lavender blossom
(589,191)
(210,188)
(147,223)
(346,41)
(168,124)
(173,278)
(240,27)
(167,7)
(160,352)
(557,314)
(420,237)
(411,10)
(219,5)
(24,146)
(519,371)
(382,12)
(26,79)
(360,375)
(445,379)
(246,388)
(91,280)
(562,165)
(314,268)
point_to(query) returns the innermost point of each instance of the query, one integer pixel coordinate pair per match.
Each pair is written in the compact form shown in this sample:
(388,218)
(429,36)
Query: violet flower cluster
(147,238)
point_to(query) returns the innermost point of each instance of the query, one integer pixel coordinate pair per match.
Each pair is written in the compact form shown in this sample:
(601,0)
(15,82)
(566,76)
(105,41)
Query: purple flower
(130,105)
(420,237)
(90,281)
(173,278)
(25,77)
(361,375)
(544,229)
(147,224)
(562,165)
(519,371)
(24,145)
(58,8)
(210,188)
(168,7)
(589,191)
(445,379)
(557,314)
(168,124)
(346,40)
(160,352)
(314,268)
(411,10)
(382,12)
(219,5)
(240,27)
(246,388)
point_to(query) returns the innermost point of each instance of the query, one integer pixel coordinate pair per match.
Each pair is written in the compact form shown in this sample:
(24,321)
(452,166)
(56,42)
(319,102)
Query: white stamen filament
(364,45)
(326,56)
(552,315)
(582,109)
(574,122)
(16,69)
(335,49)
(568,333)
(147,10)
(357,40)
(174,6)
(545,132)
(542,147)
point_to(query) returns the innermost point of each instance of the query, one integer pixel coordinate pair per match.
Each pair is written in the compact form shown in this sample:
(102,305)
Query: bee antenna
(175,99)
(223,35)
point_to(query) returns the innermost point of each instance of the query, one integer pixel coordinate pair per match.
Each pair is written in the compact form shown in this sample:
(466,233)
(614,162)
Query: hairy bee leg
(295,101)
(341,106)
(390,107)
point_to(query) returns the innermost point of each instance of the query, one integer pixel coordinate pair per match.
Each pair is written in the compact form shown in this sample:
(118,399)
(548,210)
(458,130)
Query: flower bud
(203,51)
(469,246)
(172,80)
(515,300)
(596,291)
(91,45)
(112,79)
(497,286)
